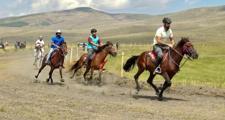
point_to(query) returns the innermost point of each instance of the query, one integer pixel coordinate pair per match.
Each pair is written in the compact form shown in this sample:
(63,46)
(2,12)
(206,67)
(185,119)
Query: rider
(39,44)
(94,42)
(163,38)
(56,41)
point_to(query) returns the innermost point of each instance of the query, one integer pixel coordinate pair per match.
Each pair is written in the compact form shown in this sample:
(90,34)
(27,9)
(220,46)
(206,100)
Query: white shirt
(39,43)
(163,34)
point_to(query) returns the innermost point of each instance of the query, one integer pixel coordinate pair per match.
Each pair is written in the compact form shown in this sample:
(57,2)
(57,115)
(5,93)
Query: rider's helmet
(93,30)
(58,31)
(167,20)
(41,37)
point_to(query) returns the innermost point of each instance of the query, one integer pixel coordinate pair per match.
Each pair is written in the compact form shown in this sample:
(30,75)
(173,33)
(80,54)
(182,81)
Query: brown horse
(57,60)
(169,66)
(98,61)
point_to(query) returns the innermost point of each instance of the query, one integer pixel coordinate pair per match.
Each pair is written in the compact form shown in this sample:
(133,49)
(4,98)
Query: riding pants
(159,51)
(49,55)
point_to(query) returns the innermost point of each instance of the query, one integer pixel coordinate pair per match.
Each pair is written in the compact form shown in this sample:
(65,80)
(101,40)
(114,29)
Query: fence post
(122,61)
(71,55)
(77,55)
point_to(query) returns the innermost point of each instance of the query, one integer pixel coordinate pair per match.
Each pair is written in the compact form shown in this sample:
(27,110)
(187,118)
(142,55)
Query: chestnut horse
(98,61)
(169,66)
(57,60)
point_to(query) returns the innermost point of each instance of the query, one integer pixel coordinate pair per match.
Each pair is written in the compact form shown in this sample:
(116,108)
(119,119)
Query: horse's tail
(130,63)
(75,66)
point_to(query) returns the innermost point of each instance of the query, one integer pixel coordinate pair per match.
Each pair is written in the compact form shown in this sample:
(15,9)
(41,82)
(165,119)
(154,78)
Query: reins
(178,65)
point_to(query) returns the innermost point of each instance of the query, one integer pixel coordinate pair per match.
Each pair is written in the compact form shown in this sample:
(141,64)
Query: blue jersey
(57,40)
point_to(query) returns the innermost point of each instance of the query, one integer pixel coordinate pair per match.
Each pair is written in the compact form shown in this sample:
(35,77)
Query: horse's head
(110,49)
(187,48)
(63,47)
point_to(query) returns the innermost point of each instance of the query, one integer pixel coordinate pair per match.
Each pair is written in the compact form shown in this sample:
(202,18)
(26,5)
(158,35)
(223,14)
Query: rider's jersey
(95,40)
(57,40)
(163,34)
(40,43)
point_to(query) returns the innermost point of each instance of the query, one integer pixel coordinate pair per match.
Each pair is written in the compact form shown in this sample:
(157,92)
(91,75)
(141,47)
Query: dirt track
(22,99)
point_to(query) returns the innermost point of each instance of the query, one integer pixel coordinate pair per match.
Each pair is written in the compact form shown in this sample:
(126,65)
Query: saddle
(152,56)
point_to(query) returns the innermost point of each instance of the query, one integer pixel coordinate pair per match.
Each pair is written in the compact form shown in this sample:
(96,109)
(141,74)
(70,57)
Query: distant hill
(200,24)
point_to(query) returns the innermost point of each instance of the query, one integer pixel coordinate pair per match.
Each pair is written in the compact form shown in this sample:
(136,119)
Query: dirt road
(22,99)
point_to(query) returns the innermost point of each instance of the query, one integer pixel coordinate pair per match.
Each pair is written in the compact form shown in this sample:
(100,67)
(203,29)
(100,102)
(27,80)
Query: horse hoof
(36,76)
(160,98)
(157,93)
(62,80)
(36,81)
(47,80)
(85,82)
(136,92)
(100,84)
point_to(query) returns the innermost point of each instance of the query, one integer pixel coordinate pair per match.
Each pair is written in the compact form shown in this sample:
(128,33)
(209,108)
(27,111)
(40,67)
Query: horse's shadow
(56,83)
(156,98)
(48,83)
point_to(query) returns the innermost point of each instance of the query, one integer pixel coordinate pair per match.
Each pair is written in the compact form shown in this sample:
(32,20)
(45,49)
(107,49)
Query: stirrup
(157,70)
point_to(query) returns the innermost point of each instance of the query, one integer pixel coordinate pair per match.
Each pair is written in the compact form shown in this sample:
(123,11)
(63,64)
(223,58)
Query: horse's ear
(109,43)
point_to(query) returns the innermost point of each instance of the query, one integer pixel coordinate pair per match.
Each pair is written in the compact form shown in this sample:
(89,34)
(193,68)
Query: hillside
(200,24)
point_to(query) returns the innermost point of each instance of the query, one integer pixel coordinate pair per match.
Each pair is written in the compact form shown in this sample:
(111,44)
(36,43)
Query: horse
(97,63)
(20,45)
(38,56)
(2,45)
(56,61)
(169,66)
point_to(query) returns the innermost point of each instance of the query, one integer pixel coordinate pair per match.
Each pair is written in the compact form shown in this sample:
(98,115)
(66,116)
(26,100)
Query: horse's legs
(76,69)
(100,76)
(136,76)
(60,71)
(92,71)
(166,84)
(35,60)
(42,67)
(50,75)
(150,81)
(85,73)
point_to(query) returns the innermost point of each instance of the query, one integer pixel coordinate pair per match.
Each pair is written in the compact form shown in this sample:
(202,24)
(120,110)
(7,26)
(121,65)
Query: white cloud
(46,5)
(35,6)
(191,2)
(110,4)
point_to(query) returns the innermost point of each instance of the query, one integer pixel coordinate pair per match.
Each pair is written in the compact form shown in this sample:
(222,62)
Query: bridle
(184,50)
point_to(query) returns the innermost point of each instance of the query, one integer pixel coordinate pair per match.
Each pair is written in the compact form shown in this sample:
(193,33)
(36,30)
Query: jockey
(39,44)
(163,38)
(93,43)
(56,41)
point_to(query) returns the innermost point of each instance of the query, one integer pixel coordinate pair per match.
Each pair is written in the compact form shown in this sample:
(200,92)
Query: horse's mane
(182,41)
(104,46)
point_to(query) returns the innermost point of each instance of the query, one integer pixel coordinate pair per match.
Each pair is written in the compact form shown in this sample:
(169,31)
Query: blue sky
(24,7)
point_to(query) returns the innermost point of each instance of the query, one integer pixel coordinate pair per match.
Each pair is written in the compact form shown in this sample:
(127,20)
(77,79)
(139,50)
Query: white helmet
(58,31)
(40,37)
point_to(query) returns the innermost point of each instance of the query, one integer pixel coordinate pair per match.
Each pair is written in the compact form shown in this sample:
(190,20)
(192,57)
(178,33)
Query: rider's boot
(158,68)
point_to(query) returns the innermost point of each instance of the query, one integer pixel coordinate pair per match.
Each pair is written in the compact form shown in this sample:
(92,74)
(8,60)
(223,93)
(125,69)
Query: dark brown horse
(169,66)
(57,60)
(98,61)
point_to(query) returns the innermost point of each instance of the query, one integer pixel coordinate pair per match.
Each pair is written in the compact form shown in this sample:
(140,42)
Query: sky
(9,8)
